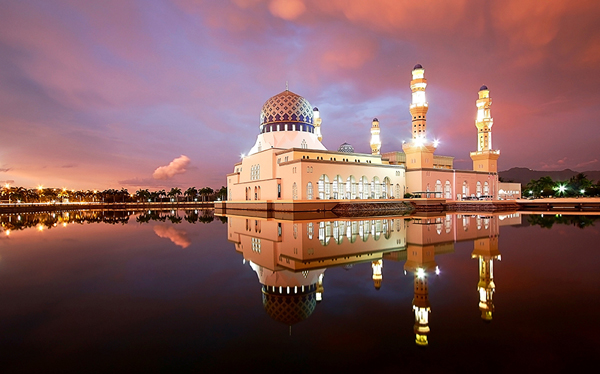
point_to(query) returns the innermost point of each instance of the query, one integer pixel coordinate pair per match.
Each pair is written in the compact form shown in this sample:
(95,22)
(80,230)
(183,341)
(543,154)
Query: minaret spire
(484,120)
(375,139)
(419,105)
(485,158)
(419,152)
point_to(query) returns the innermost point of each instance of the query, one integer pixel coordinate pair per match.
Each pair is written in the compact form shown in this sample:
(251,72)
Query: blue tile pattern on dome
(346,148)
(286,107)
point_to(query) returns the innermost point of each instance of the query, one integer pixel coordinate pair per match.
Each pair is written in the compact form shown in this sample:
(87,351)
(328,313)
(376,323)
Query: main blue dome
(286,108)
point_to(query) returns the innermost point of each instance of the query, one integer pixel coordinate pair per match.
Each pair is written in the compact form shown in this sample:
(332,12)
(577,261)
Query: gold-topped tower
(317,122)
(419,152)
(375,139)
(486,158)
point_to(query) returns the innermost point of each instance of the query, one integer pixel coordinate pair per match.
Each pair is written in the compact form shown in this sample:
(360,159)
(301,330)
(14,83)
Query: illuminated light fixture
(582,191)
(242,155)
(7,232)
(436,142)
(419,141)
(420,273)
(40,187)
(437,270)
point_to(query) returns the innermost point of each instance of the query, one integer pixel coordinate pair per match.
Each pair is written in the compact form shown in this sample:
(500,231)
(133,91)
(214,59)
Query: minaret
(375,139)
(485,158)
(419,105)
(377,274)
(419,151)
(484,120)
(317,122)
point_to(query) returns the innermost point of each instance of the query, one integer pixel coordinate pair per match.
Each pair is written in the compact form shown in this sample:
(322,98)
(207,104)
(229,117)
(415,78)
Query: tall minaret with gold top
(419,151)
(375,139)
(486,158)
(317,122)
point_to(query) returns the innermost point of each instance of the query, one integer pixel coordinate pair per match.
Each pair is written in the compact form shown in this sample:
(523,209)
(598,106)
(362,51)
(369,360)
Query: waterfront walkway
(564,204)
(45,207)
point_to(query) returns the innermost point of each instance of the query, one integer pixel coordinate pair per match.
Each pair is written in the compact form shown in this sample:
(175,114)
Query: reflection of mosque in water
(290,257)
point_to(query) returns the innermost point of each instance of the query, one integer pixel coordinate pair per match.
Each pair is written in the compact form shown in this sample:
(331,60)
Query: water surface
(181,291)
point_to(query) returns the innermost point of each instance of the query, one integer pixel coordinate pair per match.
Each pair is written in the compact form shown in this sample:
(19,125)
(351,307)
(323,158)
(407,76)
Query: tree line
(576,186)
(47,195)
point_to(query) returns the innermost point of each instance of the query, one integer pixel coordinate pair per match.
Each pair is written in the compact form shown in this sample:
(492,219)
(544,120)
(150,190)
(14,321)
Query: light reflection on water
(187,290)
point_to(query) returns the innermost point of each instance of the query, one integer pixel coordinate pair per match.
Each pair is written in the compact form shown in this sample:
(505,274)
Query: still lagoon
(188,291)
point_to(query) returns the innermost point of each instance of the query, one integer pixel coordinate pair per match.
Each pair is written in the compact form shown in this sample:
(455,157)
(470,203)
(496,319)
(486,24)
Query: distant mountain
(524,175)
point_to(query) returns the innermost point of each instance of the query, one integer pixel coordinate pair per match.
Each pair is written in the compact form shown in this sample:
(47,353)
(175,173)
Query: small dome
(375,119)
(286,107)
(346,148)
(417,66)
(484,87)
(315,109)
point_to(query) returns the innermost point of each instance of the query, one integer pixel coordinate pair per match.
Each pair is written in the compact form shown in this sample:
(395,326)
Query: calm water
(179,291)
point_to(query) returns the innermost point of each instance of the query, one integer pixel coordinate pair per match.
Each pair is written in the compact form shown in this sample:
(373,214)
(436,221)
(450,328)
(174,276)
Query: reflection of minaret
(375,138)
(320,289)
(420,261)
(377,275)
(486,251)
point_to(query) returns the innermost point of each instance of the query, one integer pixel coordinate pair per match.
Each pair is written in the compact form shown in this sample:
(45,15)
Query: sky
(159,94)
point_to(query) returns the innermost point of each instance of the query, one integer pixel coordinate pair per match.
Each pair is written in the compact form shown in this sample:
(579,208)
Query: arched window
(486,189)
(438,188)
(309,191)
(338,187)
(295,191)
(375,188)
(387,188)
(351,187)
(465,189)
(478,190)
(363,188)
(448,190)
(324,187)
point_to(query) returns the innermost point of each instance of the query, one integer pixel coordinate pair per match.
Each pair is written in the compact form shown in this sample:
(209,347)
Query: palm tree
(175,192)
(191,193)
(206,191)
(222,193)
(142,195)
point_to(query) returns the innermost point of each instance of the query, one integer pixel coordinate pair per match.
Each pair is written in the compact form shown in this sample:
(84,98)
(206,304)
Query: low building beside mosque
(289,164)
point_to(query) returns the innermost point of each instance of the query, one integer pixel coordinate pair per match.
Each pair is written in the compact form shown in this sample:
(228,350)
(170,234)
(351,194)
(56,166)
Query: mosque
(288,164)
